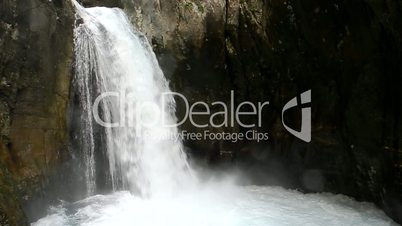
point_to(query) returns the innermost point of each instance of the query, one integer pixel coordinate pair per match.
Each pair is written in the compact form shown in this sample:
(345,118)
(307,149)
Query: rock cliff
(35,71)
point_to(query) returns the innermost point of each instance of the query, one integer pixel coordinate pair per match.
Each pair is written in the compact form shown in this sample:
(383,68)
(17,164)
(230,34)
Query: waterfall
(118,86)
(116,61)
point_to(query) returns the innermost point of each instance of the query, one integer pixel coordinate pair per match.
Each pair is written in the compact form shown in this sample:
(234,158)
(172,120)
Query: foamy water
(218,206)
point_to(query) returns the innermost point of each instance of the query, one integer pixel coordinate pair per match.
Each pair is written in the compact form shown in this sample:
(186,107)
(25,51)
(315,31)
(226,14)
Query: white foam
(220,206)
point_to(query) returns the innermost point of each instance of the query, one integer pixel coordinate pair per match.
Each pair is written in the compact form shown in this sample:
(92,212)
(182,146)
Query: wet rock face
(104,3)
(10,208)
(35,63)
(347,52)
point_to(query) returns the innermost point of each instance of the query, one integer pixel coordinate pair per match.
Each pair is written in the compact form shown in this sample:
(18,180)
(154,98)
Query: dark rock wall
(35,64)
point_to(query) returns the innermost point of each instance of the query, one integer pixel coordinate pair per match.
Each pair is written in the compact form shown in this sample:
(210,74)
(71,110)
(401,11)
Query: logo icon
(304,103)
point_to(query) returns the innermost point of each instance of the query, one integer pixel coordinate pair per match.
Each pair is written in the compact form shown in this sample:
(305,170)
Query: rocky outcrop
(35,68)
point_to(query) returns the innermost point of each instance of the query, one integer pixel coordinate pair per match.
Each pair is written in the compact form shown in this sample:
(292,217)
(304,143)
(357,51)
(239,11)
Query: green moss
(188,6)
(200,7)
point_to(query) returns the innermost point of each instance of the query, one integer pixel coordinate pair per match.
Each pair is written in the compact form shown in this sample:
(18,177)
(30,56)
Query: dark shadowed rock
(35,68)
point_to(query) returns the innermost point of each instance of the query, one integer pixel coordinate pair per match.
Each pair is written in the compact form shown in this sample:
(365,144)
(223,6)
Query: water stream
(118,60)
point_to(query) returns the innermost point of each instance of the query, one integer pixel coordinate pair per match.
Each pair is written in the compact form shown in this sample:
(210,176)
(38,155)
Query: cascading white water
(86,66)
(121,64)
